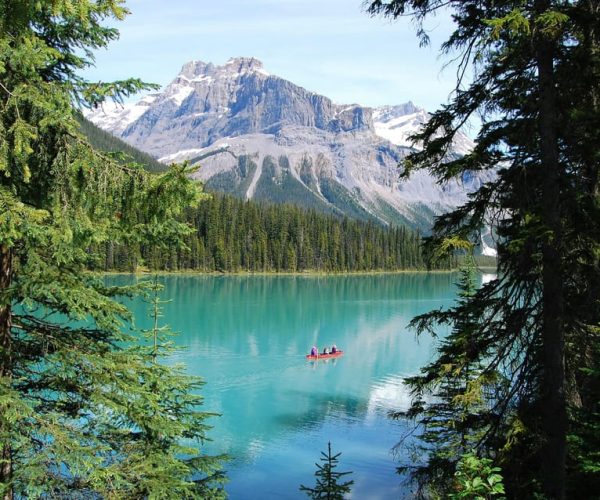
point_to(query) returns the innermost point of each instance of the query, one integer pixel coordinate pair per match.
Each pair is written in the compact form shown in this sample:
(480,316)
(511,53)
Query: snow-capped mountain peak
(260,136)
(398,123)
(116,117)
(236,66)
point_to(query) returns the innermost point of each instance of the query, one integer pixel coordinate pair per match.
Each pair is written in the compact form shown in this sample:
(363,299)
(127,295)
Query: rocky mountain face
(259,136)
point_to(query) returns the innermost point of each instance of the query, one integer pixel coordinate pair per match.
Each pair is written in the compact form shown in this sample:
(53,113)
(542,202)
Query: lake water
(247,338)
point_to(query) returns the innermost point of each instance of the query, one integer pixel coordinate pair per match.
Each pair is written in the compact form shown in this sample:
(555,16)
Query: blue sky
(331,47)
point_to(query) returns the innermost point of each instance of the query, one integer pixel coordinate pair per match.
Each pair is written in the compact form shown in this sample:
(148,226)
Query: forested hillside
(232,235)
(104,141)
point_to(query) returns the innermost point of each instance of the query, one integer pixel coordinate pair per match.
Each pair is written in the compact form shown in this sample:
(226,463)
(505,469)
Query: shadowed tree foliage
(84,412)
(535,88)
(453,423)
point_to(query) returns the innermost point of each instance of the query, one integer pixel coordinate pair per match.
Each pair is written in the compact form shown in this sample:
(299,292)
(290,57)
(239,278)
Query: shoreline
(193,272)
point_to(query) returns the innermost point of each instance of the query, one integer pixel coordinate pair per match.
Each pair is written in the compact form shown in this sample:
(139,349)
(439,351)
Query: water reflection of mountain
(304,302)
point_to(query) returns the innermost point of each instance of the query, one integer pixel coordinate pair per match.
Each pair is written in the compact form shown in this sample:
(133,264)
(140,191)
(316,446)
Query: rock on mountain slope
(259,136)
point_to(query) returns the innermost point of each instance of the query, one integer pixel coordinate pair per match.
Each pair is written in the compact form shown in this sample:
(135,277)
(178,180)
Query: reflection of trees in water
(312,409)
(248,336)
(273,304)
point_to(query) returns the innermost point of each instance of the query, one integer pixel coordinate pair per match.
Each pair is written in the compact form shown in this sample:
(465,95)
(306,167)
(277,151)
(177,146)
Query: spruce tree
(328,483)
(84,413)
(535,88)
(173,425)
(458,417)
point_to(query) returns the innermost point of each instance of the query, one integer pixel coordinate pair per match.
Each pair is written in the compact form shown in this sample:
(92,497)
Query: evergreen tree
(105,141)
(328,483)
(172,415)
(458,417)
(535,88)
(232,234)
(81,414)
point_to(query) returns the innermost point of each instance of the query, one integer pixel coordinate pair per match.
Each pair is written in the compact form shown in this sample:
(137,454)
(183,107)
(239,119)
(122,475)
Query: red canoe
(336,354)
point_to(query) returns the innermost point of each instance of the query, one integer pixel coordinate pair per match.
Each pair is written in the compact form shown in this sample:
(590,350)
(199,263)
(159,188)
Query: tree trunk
(592,47)
(5,357)
(554,415)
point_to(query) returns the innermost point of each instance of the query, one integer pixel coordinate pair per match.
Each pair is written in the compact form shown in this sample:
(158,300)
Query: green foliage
(280,186)
(232,235)
(584,437)
(477,479)
(85,411)
(237,181)
(328,483)
(536,90)
(459,415)
(171,425)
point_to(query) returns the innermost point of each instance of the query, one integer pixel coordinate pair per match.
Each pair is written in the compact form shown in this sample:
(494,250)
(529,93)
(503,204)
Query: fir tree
(79,416)
(173,427)
(457,417)
(328,483)
(535,87)
(254,236)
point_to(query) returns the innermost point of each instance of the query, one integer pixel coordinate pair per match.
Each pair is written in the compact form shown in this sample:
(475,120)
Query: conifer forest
(231,235)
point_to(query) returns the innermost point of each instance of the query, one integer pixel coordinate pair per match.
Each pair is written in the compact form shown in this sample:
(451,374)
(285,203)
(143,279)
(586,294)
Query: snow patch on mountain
(485,248)
(178,93)
(180,156)
(116,117)
(252,187)
(398,123)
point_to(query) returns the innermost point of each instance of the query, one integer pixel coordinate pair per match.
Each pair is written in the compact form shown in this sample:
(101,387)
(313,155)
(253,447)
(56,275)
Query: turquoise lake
(247,337)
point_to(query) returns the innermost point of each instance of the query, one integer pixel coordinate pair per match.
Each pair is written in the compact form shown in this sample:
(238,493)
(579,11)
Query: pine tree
(78,418)
(328,483)
(234,234)
(535,87)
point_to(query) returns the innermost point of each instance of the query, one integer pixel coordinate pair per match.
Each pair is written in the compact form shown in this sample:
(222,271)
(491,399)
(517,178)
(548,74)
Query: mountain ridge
(260,136)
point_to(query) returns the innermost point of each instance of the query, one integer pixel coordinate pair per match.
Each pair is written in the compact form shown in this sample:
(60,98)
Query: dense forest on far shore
(231,235)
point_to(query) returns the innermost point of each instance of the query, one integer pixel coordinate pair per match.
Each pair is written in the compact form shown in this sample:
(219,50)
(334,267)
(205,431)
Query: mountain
(259,136)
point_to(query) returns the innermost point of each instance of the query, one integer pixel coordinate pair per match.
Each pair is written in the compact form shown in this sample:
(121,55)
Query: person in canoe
(314,351)
(333,349)
(326,350)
